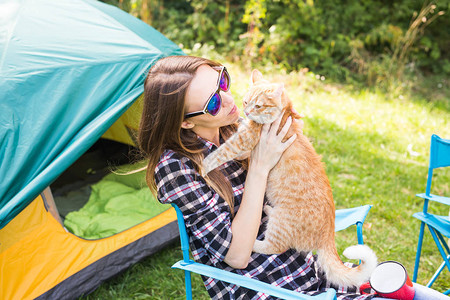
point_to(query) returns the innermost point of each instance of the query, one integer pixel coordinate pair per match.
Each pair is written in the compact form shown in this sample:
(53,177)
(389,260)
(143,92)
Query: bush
(334,38)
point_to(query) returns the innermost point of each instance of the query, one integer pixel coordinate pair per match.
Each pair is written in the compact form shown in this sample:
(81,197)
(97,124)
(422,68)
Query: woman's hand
(246,223)
(268,151)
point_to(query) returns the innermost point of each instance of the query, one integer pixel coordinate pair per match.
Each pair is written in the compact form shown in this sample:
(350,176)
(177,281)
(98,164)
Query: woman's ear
(187,125)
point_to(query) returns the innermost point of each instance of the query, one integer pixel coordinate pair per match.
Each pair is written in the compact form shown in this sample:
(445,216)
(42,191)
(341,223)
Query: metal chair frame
(438,225)
(344,219)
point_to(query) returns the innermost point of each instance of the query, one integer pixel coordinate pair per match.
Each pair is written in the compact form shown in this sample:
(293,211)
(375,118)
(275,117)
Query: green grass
(375,147)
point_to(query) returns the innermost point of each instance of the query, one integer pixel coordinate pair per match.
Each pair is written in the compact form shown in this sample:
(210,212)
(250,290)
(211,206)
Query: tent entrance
(72,188)
(101,194)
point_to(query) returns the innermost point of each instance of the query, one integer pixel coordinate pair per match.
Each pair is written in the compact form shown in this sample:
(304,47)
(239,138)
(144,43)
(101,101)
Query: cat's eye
(257,106)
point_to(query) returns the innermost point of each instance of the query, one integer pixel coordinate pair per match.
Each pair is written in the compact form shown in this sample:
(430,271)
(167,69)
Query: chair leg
(438,271)
(443,242)
(438,244)
(419,250)
(188,285)
(444,255)
(359,233)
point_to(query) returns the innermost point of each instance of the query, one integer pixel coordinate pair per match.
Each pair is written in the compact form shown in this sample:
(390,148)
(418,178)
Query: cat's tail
(337,273)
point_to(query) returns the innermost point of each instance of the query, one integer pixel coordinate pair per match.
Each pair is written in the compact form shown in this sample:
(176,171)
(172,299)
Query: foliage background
(336,38)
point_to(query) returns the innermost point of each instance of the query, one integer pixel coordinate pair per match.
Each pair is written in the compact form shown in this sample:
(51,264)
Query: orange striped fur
(301,212)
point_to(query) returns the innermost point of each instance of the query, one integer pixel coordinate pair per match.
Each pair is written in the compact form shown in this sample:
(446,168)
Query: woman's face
(202,86)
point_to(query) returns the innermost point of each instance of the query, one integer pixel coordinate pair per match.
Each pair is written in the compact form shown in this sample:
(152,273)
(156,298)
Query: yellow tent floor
(37,253)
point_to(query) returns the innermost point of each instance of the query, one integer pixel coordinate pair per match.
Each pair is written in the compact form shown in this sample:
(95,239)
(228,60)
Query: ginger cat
(301,212)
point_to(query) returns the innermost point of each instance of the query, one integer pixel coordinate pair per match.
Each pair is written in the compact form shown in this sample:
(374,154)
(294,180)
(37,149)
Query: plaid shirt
(208,221)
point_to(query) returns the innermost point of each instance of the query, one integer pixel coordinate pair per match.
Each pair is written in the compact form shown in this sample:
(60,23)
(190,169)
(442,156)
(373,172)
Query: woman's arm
(245,224)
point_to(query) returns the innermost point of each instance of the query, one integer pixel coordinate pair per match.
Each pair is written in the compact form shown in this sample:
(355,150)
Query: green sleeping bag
(116,203)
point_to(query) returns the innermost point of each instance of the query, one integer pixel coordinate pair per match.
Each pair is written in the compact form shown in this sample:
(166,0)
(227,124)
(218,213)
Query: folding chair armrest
(351,216)
(247,282)
(436,198)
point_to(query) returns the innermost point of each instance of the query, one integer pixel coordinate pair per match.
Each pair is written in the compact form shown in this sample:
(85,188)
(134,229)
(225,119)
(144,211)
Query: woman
(188,112)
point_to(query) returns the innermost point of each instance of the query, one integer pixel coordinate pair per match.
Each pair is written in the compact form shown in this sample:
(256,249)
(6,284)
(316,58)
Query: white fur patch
(366,255)
(343,276)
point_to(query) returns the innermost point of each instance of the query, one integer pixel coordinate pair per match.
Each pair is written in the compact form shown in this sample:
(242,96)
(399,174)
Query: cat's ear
(256,76)
(277,93)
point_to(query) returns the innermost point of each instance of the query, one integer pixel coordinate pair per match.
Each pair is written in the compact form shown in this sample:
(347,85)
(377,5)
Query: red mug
(390,280)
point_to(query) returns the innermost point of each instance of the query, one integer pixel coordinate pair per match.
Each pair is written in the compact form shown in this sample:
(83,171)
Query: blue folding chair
(344,219)
(439,226)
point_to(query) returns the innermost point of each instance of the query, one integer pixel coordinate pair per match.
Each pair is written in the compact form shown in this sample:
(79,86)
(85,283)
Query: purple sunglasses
(214,102)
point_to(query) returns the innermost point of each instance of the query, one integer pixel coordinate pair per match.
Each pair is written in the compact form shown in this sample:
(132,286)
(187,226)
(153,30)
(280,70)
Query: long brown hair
(163,113)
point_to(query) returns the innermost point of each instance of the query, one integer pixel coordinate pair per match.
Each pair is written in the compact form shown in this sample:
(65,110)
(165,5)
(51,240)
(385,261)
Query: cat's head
(263,103)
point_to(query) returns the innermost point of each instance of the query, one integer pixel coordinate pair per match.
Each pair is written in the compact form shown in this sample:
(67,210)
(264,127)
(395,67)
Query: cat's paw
(204,171)
(205,168)
(265,247)
(267,209)
(258,246)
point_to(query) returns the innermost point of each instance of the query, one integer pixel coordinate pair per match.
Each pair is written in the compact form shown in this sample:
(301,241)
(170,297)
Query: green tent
(68,70)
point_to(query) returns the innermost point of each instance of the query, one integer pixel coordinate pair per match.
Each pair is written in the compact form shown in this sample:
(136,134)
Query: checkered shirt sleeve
(206,218)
